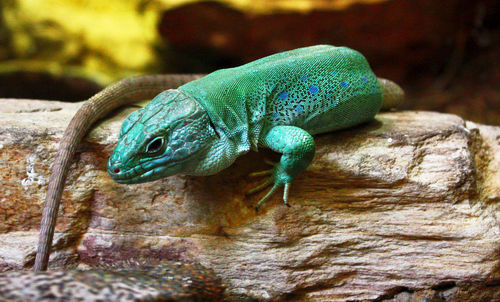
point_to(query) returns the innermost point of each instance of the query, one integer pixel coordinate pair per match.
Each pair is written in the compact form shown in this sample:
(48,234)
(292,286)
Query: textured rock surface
(167,281)
(403,208)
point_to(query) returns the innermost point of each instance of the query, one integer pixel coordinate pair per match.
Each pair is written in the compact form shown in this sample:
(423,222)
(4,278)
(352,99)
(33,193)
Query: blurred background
(446,54)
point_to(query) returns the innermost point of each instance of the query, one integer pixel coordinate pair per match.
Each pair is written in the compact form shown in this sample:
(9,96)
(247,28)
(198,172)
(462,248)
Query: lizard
(200,128)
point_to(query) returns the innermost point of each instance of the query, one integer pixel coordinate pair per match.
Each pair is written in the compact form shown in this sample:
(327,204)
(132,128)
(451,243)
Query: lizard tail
(393,94)
(120,93)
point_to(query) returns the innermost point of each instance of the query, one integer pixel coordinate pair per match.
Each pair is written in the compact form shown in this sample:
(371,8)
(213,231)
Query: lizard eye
(155,146)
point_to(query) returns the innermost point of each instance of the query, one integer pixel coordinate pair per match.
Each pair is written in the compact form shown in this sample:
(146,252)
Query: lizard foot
(276,178)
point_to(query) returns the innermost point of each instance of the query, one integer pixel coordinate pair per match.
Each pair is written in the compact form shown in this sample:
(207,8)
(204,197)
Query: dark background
(444,53)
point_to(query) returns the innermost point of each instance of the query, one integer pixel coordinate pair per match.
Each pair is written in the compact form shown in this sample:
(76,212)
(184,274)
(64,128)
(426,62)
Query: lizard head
(172,134)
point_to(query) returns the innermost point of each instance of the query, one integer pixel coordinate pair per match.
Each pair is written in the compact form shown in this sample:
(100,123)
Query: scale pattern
(319,89)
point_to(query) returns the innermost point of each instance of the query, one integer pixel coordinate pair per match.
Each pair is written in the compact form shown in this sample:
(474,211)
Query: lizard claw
(270,162)
(261,173)
(260,187)
(272,179)
(273,189)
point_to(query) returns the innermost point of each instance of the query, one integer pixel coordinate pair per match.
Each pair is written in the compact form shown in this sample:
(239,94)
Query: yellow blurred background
(440,51)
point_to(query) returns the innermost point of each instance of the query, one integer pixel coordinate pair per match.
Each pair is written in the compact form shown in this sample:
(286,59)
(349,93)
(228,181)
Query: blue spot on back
(283,95)
(275,115)
(303,78)
(334,73)
(344,84)
(313,89)
(374,90)
(364,79)
(329,95)
(299,108)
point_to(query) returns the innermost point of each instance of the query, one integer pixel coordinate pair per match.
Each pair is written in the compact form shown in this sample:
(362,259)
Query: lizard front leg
(297,147)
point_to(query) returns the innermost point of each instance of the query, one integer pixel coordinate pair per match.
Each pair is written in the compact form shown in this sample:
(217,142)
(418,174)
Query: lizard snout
(114,169)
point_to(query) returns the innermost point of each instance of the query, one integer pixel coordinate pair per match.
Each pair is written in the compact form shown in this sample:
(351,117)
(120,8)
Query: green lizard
(277,102)
(200,128)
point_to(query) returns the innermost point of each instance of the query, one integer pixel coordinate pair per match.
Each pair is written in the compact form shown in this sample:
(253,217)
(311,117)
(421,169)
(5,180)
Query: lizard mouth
(141,173)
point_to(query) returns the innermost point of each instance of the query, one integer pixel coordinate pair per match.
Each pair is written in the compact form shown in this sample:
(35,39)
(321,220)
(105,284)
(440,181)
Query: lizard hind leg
(297,148)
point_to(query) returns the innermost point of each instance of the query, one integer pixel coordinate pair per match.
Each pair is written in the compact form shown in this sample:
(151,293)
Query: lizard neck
(220,154)
(229,116)
(232,140)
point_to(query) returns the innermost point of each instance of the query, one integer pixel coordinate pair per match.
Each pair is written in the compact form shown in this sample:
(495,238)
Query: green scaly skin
(276,102)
